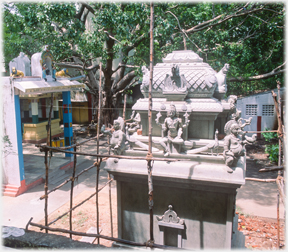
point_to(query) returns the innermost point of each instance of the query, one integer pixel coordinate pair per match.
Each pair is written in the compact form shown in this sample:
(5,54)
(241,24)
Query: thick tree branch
(79,14)
(275,71)
(127,87)
(90,8)
(110,36)
(77,66)
(124,81)
(136,43)
(124,65)
(209,23)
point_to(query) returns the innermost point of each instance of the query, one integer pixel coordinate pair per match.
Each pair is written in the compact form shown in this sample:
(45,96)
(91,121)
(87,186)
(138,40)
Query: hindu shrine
(194,199)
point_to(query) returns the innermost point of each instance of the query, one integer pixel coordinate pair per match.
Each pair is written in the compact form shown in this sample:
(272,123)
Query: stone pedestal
(200,190)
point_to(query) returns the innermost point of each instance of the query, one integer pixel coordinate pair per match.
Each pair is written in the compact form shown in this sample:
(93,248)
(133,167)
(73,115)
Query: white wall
(10,158)
(267,121)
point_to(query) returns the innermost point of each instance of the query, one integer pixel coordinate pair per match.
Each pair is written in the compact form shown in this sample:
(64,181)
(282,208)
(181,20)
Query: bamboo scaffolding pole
(110,196)
(46,189)
(124,107)
(99,236)
(280,185)
(278,220)
(280,135)
(118,156)
(81,203)
(261,131)
(71,146)
(46,163)
(98,163)
(149,155)
(72,187)
(261,180)
(97,198)
(68,180)
(271,168)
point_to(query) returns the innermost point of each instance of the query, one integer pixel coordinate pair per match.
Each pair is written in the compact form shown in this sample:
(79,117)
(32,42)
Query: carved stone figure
(54,72)
(21,63)
(16,73)
(172,129)
(135,124)
(221,87)
(62,73)
(44,72)
(118,137)
(176,81)
(145,82)
(170,216)
(234,142)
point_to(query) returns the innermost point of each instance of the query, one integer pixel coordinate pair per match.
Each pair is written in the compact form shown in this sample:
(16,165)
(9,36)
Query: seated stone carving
(135,124)
(118,137)
(234,142)
(16,73)
(172,129)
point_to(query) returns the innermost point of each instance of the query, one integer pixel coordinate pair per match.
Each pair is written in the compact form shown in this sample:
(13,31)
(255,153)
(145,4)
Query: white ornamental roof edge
(30,86)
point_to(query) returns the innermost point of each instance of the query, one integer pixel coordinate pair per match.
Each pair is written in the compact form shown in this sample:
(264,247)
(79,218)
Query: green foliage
(271,149)
(30,26)
(252,44)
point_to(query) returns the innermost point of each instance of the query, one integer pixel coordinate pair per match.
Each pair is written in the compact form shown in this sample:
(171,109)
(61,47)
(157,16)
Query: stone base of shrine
(200,191)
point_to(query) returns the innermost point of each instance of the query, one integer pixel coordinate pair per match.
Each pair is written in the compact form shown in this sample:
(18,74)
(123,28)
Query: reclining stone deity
(172,129)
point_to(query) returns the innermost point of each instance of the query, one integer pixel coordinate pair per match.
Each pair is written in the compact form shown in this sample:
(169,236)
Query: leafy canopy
(248,36)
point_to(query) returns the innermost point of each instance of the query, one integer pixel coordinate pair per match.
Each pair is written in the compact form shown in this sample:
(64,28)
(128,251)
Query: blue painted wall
(19,136)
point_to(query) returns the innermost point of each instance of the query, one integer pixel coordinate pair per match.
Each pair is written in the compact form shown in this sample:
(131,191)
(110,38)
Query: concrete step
(58,179)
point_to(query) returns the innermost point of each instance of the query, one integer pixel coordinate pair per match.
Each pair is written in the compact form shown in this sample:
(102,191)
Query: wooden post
(98,163)
(46,189)
(72,187)
(149,162)
(46,162)
(110,196)
(124,107)
(280,135)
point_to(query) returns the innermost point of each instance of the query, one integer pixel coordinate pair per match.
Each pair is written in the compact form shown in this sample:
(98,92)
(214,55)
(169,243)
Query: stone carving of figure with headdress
(172,129)
(235,141)
(176,81)
(118,137)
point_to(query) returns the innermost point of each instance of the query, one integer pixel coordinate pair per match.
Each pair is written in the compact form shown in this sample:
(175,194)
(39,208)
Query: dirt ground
(260,233)
(84,217)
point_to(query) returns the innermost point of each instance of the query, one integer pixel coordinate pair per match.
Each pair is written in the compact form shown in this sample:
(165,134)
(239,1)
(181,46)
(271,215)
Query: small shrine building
(26,98)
